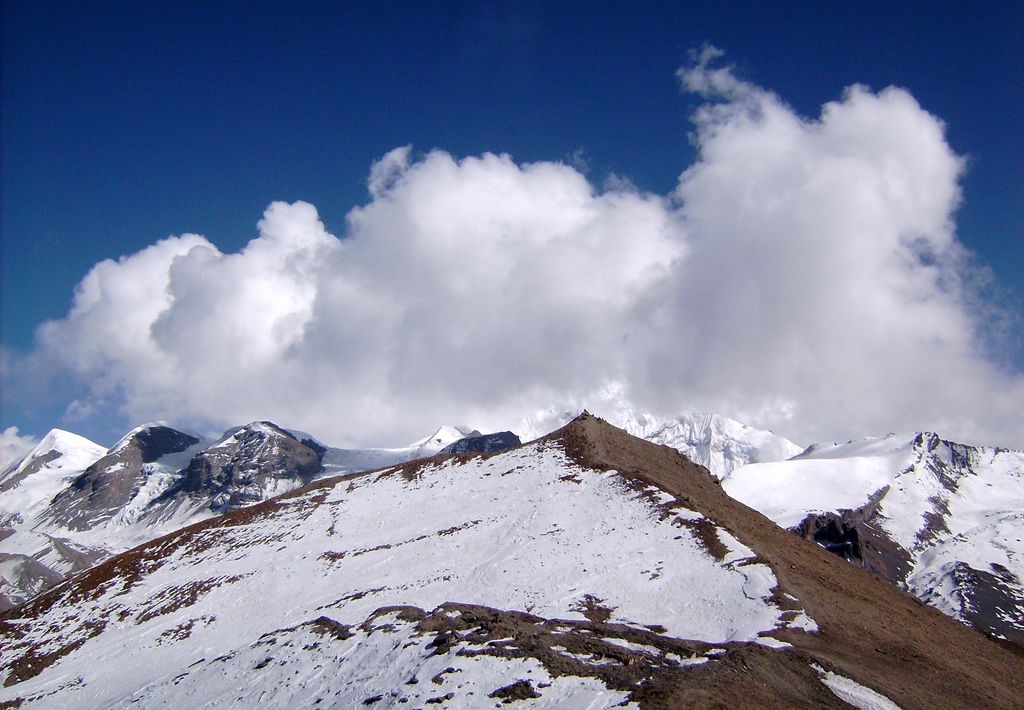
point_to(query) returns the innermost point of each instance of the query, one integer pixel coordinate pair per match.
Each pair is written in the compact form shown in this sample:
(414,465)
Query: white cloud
(13,446)
(805,275)
(830,282)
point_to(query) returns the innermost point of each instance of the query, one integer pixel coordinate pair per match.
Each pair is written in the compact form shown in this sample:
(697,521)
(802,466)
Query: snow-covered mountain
(247,465)
(718,443)
(587,569)
(122,482)
(31,561)
(69,503)
(939,519)
(943,520)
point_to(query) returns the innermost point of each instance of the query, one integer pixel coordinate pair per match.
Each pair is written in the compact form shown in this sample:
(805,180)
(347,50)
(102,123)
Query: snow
(852,692)
(24,505)
(804,623)
(158,476)
(506,532)
(772,642)
(341,461)
(30,496)
(693,660)
(633,646)
(441,438)
(387,661)
(74,449)
(127,438)
(820,480)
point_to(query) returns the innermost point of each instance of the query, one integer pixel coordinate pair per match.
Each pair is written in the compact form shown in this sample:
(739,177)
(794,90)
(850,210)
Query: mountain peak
(248,464)
(719,443)
(63,441)
(446,434)
(110,483)
(73,451)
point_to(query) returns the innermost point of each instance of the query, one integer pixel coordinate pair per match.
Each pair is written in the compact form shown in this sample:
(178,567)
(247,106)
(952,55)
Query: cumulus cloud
(13,446)
(831,290)
(805,275)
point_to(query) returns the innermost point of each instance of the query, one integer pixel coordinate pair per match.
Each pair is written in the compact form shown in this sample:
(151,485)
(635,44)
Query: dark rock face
(109,484)
(483,444)
(855,535)
(988,600)
(242,469)
(317,447)
(158,441)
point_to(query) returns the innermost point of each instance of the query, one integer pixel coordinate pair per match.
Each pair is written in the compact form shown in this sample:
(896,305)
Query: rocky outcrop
(940,519)
(251,464)
(483,443)
(856,536)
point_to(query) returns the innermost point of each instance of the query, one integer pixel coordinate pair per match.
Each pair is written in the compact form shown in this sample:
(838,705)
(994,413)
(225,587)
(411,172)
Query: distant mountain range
(70,503)
(183,570)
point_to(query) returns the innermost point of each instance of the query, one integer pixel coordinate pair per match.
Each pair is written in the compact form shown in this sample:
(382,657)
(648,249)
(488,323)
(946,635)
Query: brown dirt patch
(520,690)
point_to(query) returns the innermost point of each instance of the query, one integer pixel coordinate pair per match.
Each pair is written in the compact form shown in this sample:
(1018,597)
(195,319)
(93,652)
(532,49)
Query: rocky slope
(109,486)
(587,569)
(942,520)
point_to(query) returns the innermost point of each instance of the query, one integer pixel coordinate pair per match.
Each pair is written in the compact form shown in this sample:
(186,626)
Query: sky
(368,219)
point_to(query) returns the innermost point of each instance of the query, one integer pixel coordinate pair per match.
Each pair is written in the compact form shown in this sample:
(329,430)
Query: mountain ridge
(914,655)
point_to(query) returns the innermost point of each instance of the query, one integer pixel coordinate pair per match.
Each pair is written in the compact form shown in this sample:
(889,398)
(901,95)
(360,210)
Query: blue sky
(124,123)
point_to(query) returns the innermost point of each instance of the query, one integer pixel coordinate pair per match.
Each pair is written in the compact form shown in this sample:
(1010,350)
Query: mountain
(339,461)
(482,443)
(69,503)
(249,464)
(130,469)
(32,561)
(943,520)
(718,443)
(587,569)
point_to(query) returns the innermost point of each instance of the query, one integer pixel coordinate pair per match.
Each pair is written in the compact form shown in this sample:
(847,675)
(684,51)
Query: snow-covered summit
(249,464)
(32,560)
(69,502)
(41,473)
(73,448)
(445,435)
